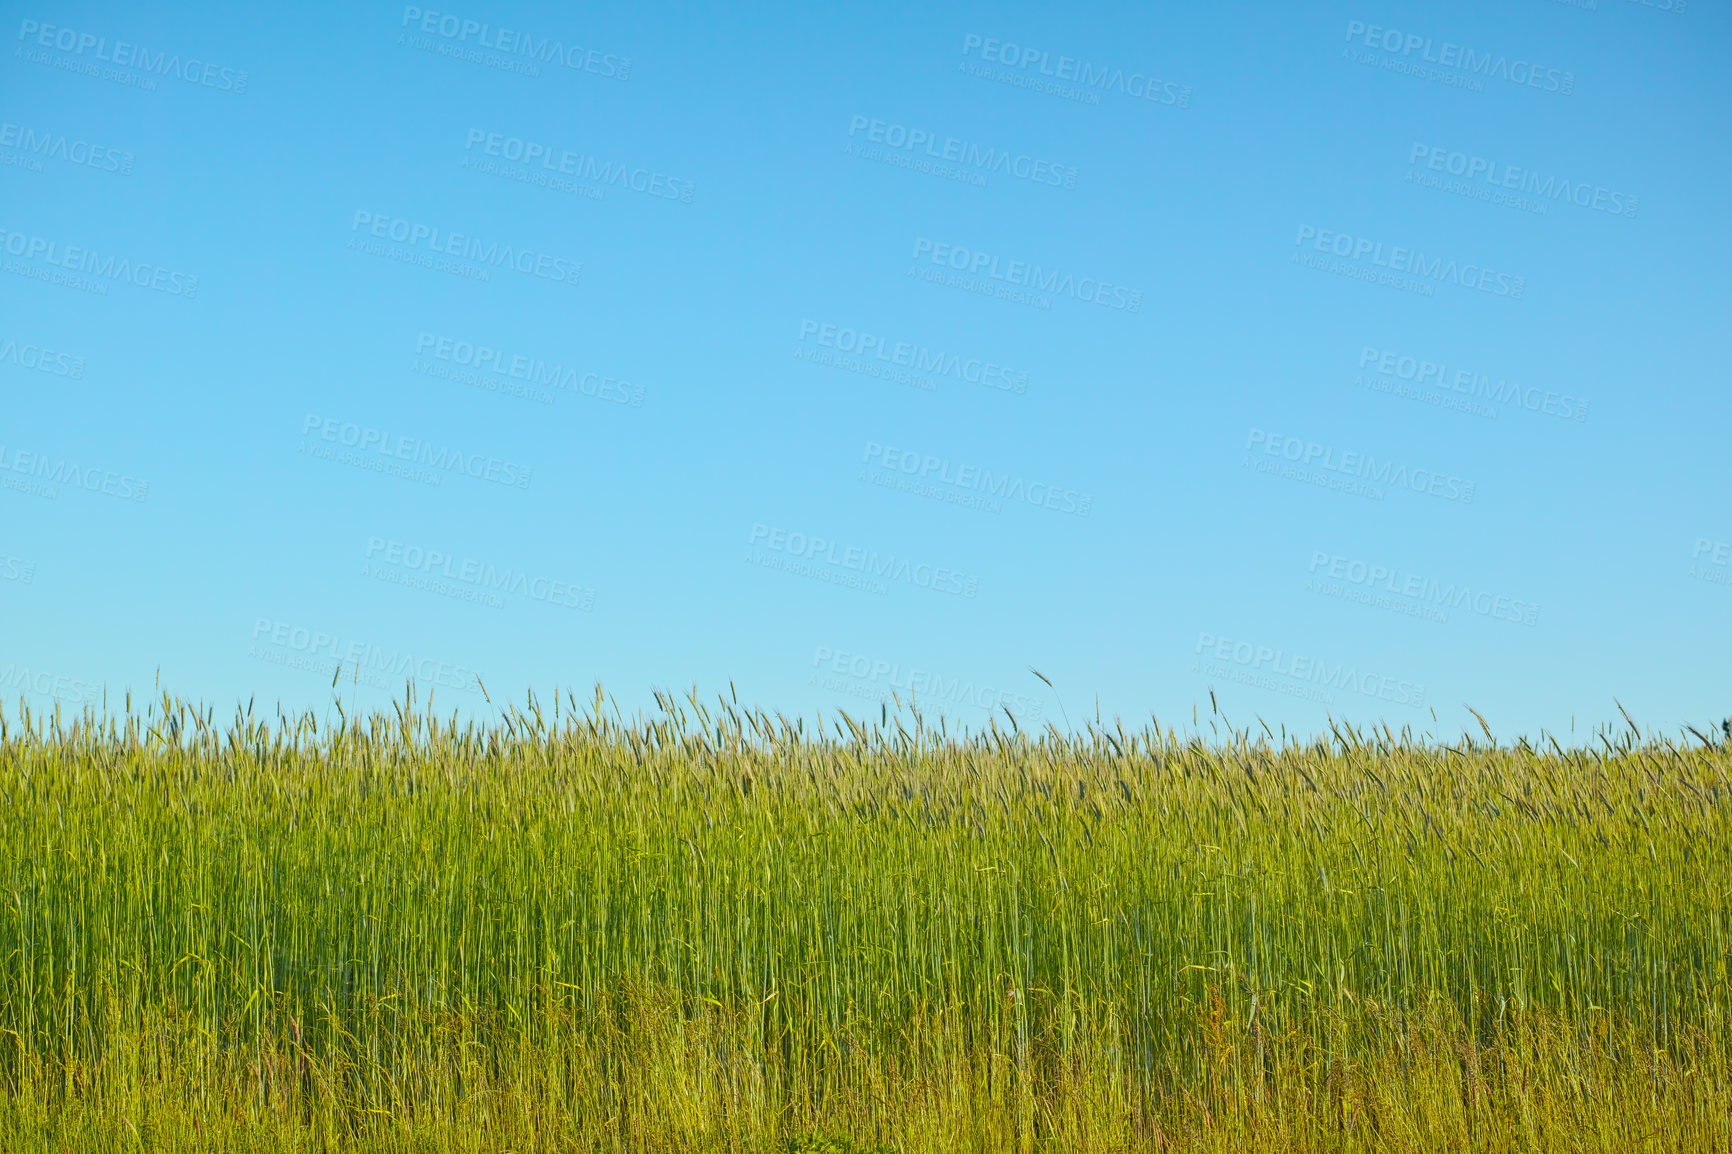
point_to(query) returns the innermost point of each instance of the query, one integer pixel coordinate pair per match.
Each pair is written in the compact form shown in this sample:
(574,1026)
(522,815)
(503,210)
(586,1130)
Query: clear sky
(1353,359)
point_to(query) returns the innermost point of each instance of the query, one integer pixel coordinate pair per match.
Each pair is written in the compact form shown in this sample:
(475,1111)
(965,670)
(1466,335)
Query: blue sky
(1353,360)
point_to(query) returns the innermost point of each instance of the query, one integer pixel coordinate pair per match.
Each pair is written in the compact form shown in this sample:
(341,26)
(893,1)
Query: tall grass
(714,929)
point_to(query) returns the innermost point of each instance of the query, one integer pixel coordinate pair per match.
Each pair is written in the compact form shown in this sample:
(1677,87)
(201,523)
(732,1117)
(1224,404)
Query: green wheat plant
(715,929)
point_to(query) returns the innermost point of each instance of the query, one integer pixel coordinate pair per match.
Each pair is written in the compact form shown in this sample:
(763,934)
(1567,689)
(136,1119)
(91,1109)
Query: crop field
(710,929)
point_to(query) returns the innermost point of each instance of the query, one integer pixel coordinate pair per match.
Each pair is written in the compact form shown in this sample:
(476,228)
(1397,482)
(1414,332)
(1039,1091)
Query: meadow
(712,929)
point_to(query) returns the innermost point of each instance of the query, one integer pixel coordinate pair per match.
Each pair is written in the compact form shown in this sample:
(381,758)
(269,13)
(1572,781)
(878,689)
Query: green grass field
(709,930)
